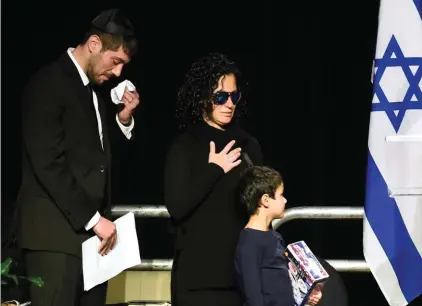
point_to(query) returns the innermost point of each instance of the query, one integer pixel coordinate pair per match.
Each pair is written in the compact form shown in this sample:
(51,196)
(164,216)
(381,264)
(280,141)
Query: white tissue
(118,91)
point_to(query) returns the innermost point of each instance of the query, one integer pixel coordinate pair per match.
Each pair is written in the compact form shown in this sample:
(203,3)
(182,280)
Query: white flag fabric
(392,229)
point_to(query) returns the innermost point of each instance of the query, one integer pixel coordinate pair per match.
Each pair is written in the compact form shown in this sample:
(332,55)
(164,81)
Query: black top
(200,198)
(261,269)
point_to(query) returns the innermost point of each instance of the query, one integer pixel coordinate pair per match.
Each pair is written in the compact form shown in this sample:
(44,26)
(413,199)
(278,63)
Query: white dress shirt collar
(84,78)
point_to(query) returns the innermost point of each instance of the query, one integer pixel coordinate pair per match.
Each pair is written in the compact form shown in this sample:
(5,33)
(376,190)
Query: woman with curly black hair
(203,167)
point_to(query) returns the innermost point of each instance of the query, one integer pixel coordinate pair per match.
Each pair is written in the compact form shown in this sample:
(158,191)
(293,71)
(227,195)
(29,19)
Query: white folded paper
(118,91)
(98,269)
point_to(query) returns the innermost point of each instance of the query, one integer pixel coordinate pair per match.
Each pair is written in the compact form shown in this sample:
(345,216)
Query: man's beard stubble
(91,75)
(90,71)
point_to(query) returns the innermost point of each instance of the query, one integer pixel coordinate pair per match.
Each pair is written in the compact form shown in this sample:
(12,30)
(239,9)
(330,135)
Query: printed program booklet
(305,271)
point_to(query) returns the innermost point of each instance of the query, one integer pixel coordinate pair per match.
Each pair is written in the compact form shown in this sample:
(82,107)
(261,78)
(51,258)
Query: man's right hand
(106,231)
(226,159)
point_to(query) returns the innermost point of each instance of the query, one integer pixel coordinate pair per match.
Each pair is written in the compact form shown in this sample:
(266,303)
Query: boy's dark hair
(195,94)
(114,30)
(254,183)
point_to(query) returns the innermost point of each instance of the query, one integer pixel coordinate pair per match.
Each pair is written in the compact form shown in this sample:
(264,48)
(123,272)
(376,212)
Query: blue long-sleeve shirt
(261,269)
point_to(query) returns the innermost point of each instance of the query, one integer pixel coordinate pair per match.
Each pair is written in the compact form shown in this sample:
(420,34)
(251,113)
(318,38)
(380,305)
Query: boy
(261,268)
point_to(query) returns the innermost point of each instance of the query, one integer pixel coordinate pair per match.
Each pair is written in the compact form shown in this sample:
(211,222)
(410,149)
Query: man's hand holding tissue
(131,101)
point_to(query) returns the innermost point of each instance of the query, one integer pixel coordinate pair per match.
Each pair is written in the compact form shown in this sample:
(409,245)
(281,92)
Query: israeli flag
(392,237)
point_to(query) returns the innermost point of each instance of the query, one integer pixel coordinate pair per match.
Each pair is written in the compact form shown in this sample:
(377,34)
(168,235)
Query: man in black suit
(65,193)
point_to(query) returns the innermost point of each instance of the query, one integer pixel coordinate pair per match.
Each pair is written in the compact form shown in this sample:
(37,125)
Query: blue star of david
(418,7)
(399,60)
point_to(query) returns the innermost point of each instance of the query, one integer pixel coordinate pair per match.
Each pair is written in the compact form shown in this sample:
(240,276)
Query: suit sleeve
(43,140)
(126,130)
(120,136)
(186,189)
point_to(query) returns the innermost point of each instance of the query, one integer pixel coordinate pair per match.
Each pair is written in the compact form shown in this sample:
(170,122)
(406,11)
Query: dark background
(308,65)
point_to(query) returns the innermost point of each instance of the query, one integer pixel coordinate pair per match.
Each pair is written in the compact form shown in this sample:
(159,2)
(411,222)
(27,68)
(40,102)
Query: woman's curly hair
(195,95)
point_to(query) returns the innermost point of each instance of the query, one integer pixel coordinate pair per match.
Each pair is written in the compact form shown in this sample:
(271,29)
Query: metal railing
(321,212)
(340,265)
(144,211)
(328,212)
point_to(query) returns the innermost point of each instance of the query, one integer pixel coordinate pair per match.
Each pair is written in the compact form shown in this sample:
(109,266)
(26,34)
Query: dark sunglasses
(221,97)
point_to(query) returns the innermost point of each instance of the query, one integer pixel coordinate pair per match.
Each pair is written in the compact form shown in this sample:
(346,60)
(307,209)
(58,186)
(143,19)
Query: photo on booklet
(306,272)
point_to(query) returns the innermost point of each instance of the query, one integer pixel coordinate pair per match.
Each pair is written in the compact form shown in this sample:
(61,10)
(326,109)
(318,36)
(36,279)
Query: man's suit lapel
(83,94)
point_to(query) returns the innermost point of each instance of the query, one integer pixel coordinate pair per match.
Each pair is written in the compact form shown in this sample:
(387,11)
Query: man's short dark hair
(114,30)
(254,183)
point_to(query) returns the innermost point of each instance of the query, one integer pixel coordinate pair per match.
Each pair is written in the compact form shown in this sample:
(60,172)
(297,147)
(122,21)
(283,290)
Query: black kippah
(113,22)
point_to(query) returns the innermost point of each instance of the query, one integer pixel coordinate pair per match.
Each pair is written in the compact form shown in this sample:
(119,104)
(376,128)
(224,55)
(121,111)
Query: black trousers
(206,297)
(181,296)
(63,281)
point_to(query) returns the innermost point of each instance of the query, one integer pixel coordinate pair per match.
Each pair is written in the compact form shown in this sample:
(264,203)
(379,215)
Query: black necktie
(91,98)
(91,101)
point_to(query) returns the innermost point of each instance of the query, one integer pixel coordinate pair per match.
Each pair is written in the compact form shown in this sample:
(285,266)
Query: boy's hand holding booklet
(306,272)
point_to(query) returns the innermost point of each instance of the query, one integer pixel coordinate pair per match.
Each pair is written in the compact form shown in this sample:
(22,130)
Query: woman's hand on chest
(227,159)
